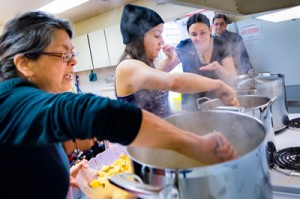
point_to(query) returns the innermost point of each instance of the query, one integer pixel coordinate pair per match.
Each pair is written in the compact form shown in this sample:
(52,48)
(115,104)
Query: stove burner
(294,124)
(288,161)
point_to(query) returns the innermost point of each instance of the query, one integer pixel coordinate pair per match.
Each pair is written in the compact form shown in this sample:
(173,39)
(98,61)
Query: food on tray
(123,164)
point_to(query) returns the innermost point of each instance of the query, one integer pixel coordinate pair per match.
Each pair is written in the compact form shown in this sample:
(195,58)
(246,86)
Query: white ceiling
(9,8)
(240,7)
(92,8)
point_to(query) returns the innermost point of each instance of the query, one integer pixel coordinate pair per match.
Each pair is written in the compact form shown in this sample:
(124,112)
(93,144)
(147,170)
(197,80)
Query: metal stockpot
(254,105)
(168,173)
(269,85)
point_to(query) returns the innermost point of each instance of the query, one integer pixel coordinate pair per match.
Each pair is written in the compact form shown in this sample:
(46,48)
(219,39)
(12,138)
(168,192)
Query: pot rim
(226,164)
(200,106)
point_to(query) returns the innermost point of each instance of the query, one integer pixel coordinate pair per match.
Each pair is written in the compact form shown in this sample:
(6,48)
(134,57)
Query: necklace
(201,54)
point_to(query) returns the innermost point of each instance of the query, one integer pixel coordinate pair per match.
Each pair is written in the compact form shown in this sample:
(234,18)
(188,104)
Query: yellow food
(123,164)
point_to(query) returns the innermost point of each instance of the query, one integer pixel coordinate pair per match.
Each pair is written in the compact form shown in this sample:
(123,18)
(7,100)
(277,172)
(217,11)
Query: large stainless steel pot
(254,105)
(168,173)
(269,85)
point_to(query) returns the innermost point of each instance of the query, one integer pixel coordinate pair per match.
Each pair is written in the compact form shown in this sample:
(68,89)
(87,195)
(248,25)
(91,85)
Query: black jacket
(33,123)
(238,50)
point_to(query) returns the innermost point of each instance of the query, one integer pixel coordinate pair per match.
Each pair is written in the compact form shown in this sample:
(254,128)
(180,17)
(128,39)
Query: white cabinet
(99,49)
(84,61)
(115,44)
(92,51)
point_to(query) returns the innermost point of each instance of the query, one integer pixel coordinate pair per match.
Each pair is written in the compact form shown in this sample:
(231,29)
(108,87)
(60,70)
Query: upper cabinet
(99,49)
(92,51)
(84,61)
(115,44)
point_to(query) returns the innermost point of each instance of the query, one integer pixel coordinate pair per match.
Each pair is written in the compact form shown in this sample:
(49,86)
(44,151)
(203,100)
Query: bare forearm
(156,132)
(193,83)
(223,72)
(167,64)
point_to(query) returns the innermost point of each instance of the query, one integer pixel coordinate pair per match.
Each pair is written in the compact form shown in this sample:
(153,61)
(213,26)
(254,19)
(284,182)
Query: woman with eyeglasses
(200,54)
(37,114)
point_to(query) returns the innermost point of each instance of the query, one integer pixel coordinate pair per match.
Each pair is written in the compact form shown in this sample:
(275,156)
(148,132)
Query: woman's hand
(211,67)
(170,61)
(219,69)
(74,171)
(227,95)
(216,152)
(168,50)
(207,150)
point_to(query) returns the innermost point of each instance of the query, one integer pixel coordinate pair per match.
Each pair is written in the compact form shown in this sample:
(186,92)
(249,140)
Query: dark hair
(197,18)
(218,16)
(136,50)
(29,34)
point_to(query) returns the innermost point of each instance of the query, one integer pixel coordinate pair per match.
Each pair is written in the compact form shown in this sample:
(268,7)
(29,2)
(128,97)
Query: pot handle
(252,73)
(272,101)
(201,100)
(229,108)
(138,188)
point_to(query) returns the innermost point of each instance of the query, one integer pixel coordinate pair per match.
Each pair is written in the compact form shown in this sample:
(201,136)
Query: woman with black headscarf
(139,82)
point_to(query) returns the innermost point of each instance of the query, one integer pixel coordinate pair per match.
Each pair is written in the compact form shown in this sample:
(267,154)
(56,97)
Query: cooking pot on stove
(254,105)
(168,174)
(265,84)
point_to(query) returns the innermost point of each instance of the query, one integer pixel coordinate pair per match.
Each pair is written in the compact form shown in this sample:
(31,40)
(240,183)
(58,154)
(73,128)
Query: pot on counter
(169,174)
(265,84)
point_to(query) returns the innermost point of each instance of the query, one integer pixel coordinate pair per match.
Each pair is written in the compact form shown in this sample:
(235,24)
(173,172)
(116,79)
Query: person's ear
(22,65)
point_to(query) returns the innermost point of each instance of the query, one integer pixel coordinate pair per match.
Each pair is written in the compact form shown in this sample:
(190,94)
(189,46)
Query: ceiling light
(287,14)
(58,6)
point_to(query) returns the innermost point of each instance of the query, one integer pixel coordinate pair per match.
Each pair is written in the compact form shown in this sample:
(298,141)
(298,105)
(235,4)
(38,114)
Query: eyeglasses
(219,24)
(66,57)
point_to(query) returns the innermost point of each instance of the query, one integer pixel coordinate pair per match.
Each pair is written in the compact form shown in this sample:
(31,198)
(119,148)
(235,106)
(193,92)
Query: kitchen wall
(273,47)
(104,85)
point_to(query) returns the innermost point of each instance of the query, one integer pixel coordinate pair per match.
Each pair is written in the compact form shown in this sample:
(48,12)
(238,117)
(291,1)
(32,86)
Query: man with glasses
(238,50)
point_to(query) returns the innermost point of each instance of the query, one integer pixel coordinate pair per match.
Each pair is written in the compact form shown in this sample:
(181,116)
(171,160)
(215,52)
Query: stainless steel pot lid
(249,81)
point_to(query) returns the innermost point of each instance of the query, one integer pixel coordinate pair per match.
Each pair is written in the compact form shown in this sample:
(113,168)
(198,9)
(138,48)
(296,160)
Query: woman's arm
(156,132)
(227,69)
(171,60)
(133,75)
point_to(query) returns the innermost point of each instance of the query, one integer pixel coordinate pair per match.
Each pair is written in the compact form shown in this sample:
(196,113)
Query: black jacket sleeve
(30,116)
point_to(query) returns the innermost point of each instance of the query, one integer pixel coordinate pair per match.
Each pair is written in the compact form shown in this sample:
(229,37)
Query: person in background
(139,82)
(77,149)
(235,41)
(200,54)
(38,114)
